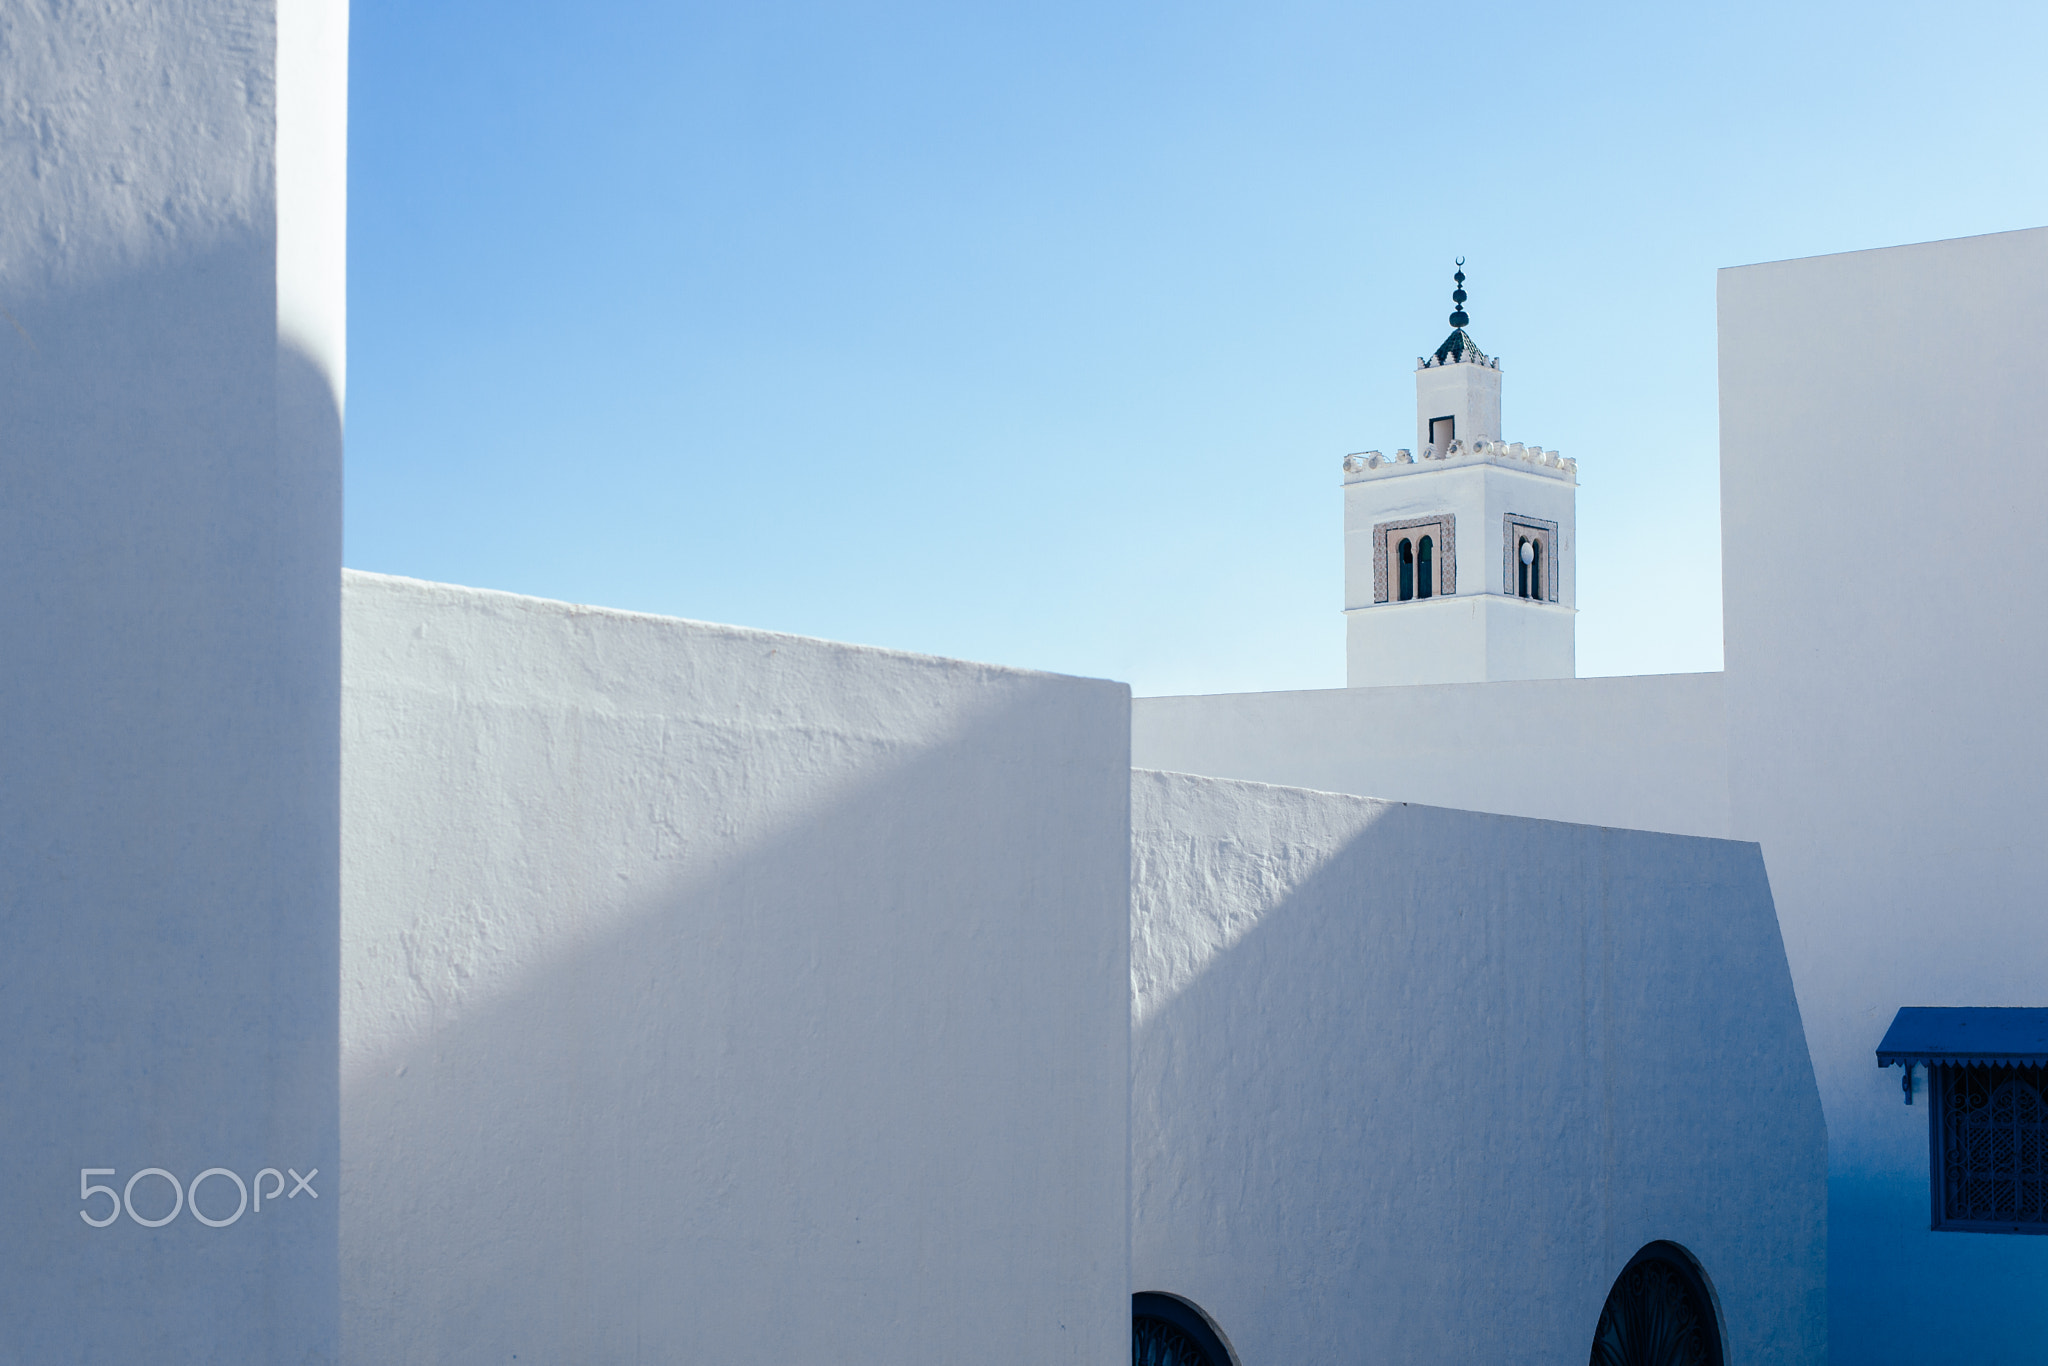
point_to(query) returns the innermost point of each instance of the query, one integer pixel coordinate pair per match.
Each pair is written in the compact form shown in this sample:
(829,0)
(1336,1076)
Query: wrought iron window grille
(1988,1142)
(1168,1331)
(1659,1313)
(1987,1111)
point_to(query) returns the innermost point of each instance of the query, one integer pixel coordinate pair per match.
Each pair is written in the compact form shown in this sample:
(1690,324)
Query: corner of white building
(1872,729)
(710,994)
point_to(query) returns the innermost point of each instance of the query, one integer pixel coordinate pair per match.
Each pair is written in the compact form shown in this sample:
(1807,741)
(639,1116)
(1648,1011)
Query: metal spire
(1459,318)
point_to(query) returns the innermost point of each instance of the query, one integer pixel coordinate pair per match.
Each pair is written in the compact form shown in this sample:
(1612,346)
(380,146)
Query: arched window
(1659,1313)
(1169,1331)
(1415,558)
(1529,550)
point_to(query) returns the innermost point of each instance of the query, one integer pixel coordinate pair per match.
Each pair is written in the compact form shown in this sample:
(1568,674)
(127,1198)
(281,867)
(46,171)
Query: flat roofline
(1868,251)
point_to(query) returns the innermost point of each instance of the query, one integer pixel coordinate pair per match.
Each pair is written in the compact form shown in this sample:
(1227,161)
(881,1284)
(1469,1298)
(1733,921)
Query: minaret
(1458,566)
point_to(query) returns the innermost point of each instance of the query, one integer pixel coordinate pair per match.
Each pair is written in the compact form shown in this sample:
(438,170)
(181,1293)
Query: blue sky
(1036,333)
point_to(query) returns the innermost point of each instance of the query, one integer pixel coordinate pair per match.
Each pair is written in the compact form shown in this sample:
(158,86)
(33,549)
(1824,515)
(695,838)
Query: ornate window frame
(1546,542)
(1977,1184)
(1444,526)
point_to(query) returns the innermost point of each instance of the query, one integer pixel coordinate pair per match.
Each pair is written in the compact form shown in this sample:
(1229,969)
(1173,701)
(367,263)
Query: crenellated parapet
(1471,357)
(1513,454)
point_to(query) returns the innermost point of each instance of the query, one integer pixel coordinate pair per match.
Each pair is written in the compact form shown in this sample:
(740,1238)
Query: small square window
(1988,1131)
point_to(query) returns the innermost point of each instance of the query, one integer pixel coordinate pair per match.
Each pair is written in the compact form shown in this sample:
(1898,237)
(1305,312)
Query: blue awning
(1994,1036)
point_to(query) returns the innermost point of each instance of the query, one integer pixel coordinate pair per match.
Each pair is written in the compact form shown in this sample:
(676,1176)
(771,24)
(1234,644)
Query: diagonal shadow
(772,1012)
(1412,1084)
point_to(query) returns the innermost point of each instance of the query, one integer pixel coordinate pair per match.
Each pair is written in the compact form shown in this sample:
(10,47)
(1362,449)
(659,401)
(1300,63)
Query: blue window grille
(1987,1111)
(1167,1330)
(1990,1141)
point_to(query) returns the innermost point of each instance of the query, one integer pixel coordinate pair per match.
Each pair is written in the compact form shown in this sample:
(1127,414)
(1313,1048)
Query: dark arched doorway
(1168,1331)
(1659,1313)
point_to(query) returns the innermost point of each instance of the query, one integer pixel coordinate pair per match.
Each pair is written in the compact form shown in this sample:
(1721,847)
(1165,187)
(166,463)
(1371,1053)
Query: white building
(1499,512)
(170,677)
(715,994)
(415,973)
(1411,1084)
(1875,729)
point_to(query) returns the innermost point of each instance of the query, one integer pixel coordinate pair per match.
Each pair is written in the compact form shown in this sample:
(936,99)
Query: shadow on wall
(169,692)
(801,1040)
(1417,1083)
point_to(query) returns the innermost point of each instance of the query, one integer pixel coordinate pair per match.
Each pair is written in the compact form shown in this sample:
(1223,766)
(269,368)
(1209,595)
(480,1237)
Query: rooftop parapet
(1470,358)
(1531,459)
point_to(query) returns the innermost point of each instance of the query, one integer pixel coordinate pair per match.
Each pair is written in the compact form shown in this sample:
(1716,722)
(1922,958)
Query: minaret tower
(1458,566)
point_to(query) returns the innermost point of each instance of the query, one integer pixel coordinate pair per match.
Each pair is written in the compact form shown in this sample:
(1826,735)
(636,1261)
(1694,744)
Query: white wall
(1882,463)
(169,682)
(1469,393)
(1642,753)
(1471,638)
(1884,430)
(712,995)
(1440,640)
(1412,1084)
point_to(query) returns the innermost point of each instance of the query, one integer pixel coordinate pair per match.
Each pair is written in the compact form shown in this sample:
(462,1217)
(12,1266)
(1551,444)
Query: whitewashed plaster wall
(1471,638)
(1412,1084)
(713,995)
(1884,436)
(1467,393)
(171,339)
(1644,753)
